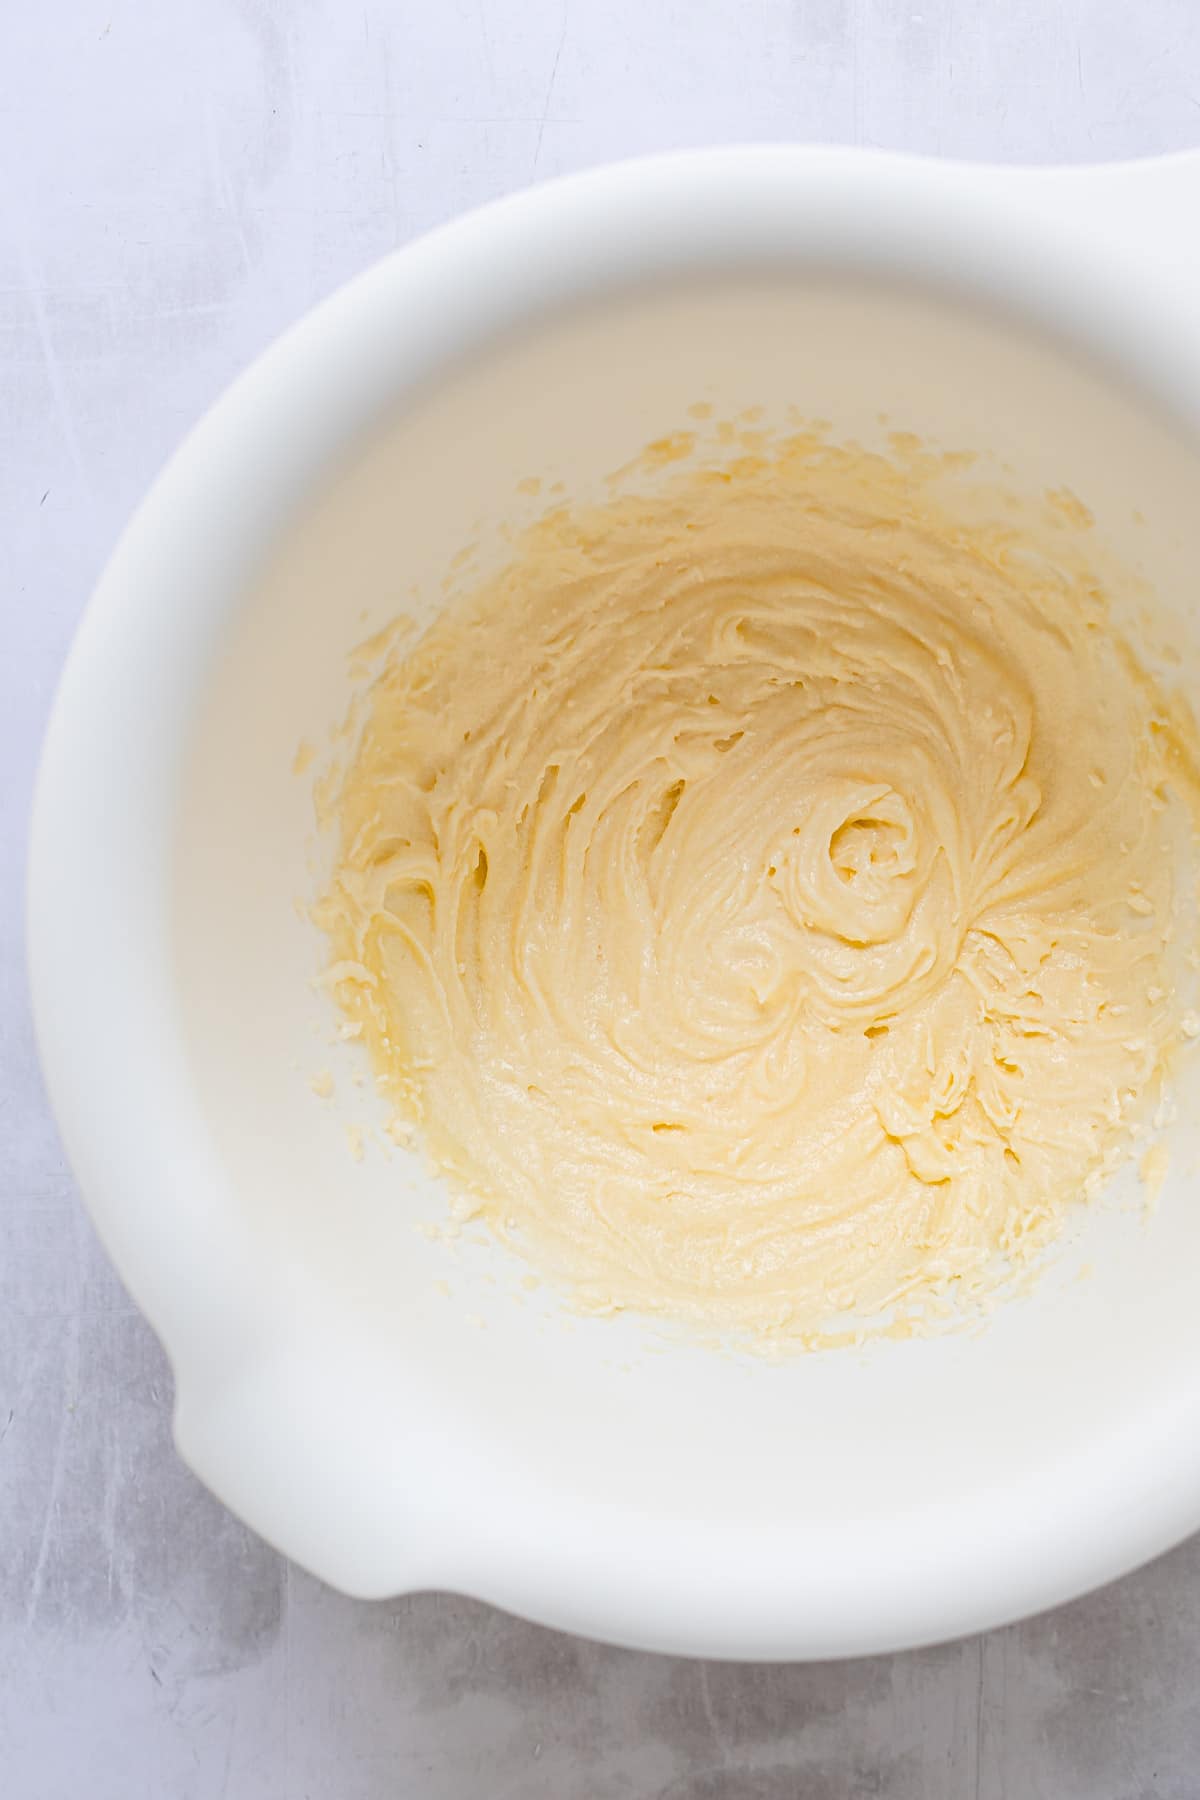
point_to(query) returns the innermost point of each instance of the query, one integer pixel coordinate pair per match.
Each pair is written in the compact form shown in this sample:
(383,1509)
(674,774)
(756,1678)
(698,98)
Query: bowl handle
(1148,208)
(341,1487)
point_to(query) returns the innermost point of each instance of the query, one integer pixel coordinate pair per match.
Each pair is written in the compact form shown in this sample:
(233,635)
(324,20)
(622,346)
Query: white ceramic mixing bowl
(386,1433)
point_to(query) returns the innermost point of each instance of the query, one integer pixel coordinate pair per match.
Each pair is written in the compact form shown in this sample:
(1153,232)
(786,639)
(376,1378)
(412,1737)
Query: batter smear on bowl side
(770,894)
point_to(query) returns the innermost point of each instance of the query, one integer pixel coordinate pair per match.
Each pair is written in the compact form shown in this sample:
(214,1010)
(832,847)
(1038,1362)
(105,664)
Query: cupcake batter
(765,894)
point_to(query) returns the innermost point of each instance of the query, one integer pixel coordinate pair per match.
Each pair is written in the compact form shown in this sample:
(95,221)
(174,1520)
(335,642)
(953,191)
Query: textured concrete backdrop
(178,180)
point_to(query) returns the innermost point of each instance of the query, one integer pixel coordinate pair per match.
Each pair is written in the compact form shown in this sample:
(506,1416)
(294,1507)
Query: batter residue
(766,893)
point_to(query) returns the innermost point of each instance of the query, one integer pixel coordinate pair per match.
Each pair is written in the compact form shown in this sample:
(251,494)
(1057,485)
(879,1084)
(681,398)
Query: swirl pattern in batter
(764,894)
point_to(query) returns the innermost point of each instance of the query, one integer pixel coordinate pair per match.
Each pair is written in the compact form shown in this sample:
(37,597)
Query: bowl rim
(1034,242)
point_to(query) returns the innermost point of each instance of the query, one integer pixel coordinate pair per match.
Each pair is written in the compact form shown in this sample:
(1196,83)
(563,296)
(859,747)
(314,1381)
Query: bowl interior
(545,1409)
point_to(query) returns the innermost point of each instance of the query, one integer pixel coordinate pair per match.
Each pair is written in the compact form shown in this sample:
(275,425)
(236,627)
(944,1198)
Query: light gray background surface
(178,180)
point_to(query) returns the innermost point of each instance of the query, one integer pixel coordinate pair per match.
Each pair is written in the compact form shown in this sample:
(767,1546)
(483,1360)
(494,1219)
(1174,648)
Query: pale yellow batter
(767,894)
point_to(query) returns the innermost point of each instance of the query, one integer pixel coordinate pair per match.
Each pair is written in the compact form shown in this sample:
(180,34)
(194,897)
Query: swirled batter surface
(764,893)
